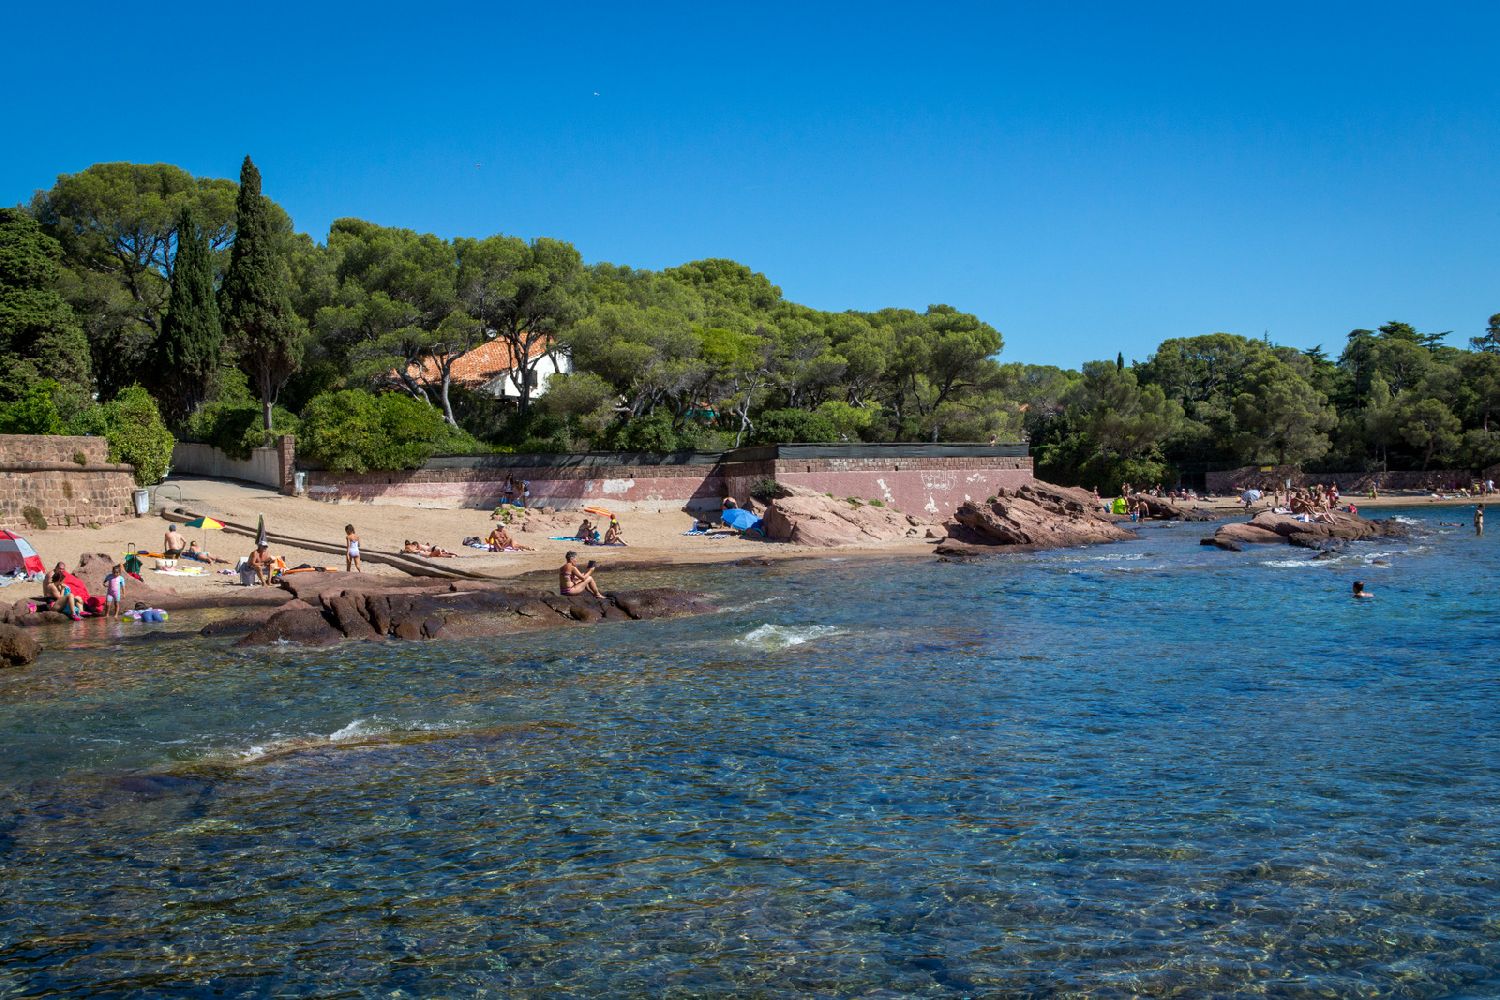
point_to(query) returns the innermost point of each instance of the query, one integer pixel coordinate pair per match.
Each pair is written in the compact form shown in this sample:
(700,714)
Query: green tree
(583,402)
(189,347)
(1280,417)
(524,295)
(39,334)
(255,302)
(1490,342)
(1426,425)
(117,223)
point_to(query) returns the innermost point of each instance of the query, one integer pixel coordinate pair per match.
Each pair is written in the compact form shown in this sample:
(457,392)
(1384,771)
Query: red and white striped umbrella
(17,553)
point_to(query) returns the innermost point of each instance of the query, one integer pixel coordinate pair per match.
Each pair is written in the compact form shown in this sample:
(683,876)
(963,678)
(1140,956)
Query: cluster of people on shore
(588,533)
(1315,503)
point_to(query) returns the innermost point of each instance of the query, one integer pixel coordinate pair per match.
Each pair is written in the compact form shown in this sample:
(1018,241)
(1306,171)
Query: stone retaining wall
(43,473)
(917,479)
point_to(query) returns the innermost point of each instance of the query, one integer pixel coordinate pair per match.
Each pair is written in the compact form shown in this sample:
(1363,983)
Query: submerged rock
(806,517)
(16,647)
(1036,515)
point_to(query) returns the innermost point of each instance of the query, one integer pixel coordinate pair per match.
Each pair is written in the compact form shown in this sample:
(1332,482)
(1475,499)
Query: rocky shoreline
(1270,528)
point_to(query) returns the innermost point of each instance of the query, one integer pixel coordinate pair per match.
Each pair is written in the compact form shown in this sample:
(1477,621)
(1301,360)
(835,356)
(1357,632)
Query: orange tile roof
(479,366)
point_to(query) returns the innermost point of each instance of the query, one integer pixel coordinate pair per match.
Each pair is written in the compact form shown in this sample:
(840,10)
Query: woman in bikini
(571,580)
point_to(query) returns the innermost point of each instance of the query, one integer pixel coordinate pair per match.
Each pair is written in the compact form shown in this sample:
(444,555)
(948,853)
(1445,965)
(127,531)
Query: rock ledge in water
(322,616)
(1035,515)
(1270,528)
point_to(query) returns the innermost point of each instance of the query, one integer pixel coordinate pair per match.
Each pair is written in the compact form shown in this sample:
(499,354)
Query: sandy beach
(651,536)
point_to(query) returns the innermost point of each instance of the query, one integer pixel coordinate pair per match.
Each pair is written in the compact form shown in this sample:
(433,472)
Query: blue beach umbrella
(739,519)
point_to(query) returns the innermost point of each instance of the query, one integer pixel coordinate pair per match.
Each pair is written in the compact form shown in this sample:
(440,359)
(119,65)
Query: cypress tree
(255,302)
(191,337)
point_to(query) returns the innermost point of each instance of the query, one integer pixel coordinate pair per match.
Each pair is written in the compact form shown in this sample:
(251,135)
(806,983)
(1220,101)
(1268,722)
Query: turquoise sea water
(1149,769)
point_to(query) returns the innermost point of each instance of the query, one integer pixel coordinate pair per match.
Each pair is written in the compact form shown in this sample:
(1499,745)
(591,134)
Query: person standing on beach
(351,550)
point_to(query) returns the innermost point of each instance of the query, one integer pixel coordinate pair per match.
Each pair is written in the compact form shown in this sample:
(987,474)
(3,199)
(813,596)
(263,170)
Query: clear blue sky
(1087,177)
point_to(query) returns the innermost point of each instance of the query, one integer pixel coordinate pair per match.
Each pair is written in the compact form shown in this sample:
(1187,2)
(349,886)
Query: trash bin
(299,483)
(142,502)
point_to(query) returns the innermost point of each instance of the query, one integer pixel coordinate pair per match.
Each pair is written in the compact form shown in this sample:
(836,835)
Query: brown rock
(1040,515)
(16,647)
(35,618)
(807,517)
(346,614)
(408,630)
(1162,509)
(296,621)
(1270,527)
(93,567)
(432,627)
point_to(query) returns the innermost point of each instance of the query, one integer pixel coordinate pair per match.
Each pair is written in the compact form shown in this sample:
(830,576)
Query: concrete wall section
(65,480)
(192,459)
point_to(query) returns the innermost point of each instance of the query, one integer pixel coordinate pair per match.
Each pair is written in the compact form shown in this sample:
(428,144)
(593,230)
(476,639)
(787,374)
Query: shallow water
(1150,769)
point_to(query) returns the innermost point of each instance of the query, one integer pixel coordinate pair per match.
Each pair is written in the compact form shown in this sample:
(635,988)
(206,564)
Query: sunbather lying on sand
(423,549)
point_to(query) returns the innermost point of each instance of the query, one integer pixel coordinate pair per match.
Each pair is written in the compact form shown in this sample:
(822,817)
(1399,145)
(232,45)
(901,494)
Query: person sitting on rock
(572,581)
(61,596)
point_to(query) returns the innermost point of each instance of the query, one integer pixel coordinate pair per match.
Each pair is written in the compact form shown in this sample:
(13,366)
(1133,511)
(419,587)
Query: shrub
(34,412)
(877,502)
(33,517)
(457,441)
(137,435)
(766,490)
(354,431)
(653,432)
(789,426)
(236,428)
(80,458)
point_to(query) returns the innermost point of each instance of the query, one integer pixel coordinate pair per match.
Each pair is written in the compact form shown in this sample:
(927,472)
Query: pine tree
(39,334)
(255,303)
(191,336)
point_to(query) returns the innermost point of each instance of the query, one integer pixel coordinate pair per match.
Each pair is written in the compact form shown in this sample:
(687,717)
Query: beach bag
(94,605)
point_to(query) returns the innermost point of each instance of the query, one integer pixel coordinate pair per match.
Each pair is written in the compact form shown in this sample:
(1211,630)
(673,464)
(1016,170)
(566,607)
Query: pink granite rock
(1039,515)
(806,517)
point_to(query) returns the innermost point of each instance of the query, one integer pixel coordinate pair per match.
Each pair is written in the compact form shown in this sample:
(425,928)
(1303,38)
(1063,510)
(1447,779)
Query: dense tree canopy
(113,275)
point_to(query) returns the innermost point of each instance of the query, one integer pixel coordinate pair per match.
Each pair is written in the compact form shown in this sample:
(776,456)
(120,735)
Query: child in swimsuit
(351,555)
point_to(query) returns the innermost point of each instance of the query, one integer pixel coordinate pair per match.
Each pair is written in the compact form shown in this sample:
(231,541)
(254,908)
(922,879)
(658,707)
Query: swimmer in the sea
(1360,591)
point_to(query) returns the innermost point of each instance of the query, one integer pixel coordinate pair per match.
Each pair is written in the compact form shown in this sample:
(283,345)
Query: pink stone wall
(42,472)
(933,487)
(668,486)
